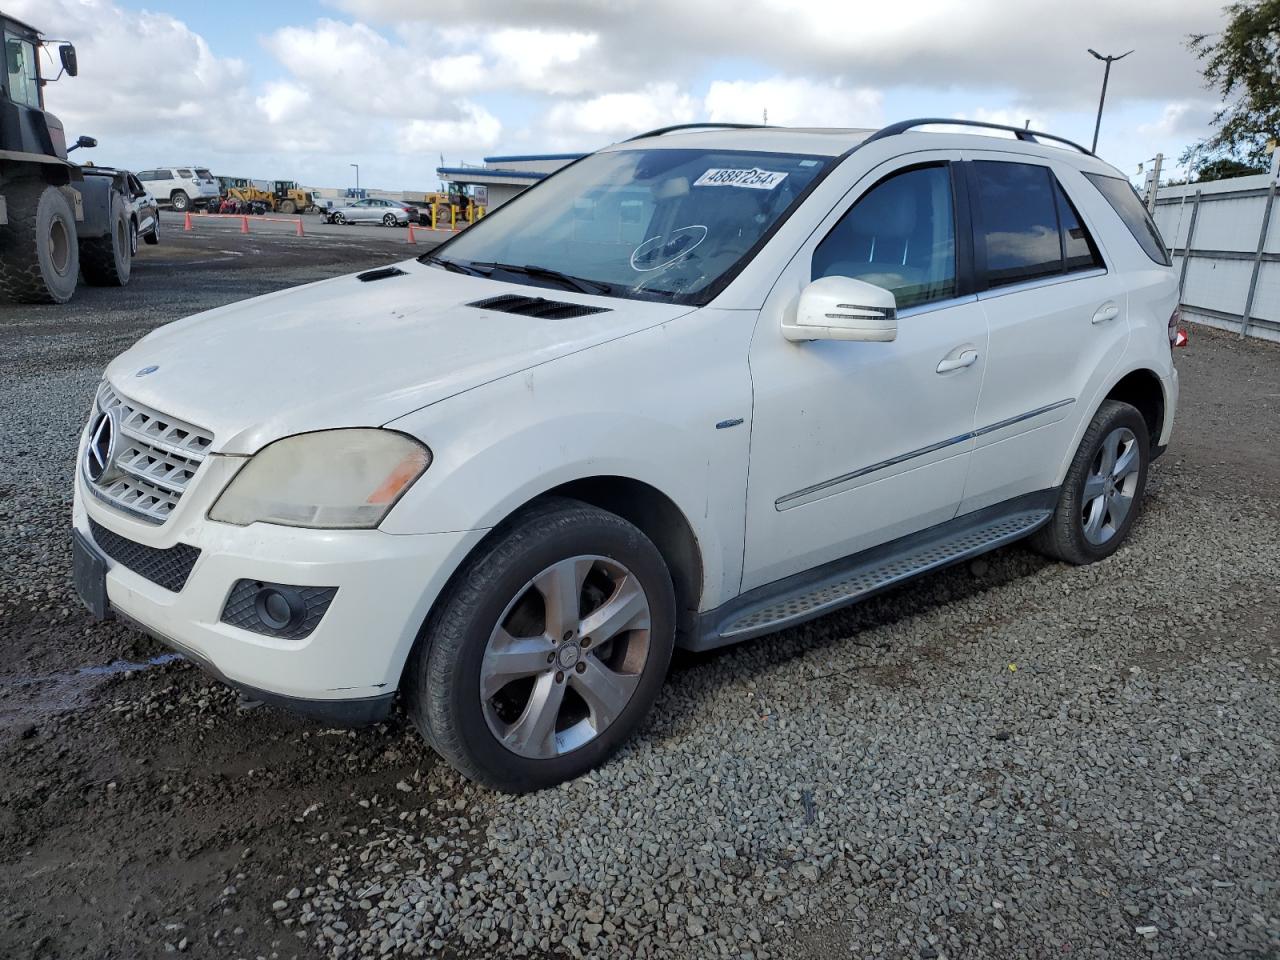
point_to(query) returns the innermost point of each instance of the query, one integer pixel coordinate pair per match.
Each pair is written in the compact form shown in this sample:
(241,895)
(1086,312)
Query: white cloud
(617,114)
(793,101)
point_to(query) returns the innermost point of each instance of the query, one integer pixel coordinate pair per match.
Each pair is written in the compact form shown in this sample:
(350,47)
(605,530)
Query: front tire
(39,256)
(153,237)
(338,219)
(546,650)
(1102,493)
(107,261)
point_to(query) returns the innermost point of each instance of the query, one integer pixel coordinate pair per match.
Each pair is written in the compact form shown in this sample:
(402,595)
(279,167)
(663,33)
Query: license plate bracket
(89,573)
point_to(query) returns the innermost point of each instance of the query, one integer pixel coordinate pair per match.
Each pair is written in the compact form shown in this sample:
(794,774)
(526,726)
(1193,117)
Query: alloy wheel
(566,657)
(1110,485)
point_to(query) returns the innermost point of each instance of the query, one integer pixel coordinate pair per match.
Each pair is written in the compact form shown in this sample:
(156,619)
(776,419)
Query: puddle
(109,670)
(37,697)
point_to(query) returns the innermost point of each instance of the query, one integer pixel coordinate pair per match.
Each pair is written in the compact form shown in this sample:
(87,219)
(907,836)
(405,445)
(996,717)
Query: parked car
(697,387)
(145,211)
(183,188)
(390,213)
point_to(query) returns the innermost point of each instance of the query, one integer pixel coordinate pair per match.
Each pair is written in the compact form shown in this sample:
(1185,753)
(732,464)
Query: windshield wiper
(454,266)
(580,284)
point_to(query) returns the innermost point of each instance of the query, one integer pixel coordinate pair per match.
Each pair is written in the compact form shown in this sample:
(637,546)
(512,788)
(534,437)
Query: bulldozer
(57,219)
(290,198)
(246,191)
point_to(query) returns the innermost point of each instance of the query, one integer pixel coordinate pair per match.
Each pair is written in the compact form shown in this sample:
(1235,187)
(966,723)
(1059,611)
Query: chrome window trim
(932,305)
(1049,281)
(805,494)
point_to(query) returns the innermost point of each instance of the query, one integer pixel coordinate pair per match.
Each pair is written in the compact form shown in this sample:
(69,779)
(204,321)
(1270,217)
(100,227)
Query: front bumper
(348,667)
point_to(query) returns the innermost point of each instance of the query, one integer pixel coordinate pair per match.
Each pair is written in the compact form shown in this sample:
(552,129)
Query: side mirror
(841,308)
(67,54)
(82,142)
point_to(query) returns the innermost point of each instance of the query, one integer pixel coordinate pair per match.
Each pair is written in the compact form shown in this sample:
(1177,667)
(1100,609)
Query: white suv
(182,188)
(693,388)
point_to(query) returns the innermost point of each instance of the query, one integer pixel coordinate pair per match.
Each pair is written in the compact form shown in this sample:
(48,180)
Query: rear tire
(288,206)
(478,683)
(39,257)
(181,202)
(107,261)
(389,220)
(1102,493)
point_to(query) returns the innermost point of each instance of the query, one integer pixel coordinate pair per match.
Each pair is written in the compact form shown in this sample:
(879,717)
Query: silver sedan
(391,213)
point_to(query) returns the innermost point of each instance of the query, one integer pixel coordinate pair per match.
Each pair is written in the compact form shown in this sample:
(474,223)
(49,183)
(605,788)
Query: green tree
(1225,169)
(1242,64)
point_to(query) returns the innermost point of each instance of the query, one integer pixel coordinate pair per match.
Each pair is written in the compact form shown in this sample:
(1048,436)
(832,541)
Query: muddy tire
(107,261)
(288,206)
(39,261)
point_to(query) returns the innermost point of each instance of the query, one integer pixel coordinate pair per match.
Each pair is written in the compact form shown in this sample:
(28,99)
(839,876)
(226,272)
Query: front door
(854,443)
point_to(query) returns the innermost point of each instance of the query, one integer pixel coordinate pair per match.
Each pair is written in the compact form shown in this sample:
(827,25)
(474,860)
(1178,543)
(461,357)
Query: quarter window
(899,235)
(1126,203)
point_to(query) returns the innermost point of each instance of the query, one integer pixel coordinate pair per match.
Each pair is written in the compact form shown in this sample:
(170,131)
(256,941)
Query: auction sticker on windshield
(753,177)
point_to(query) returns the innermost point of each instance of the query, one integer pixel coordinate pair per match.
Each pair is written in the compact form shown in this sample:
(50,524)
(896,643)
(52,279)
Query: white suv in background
(698,386)
(183,188)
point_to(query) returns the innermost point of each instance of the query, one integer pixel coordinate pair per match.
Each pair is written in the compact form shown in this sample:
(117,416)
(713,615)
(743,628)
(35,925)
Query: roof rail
(694,126)
(1030,136)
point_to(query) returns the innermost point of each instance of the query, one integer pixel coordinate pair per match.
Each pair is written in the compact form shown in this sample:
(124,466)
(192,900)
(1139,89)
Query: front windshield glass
(651,224)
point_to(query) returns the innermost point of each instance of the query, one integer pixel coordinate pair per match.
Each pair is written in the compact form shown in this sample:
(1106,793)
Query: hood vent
(537,307)
(382,273)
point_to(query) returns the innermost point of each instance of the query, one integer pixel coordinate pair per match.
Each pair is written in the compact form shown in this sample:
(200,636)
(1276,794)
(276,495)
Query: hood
(349,353)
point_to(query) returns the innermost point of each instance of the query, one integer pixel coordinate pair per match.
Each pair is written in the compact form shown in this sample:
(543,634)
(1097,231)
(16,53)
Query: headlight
(331,479)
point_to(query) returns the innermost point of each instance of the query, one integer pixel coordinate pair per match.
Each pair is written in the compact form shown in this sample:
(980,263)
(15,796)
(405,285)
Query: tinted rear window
(203,174)
(1019,221)
(1126,203)
(184,172)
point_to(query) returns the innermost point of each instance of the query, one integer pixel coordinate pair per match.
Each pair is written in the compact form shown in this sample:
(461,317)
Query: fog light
(279,609)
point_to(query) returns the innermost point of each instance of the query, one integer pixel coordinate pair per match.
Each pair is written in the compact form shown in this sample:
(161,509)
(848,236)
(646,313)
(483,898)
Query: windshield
(650,224)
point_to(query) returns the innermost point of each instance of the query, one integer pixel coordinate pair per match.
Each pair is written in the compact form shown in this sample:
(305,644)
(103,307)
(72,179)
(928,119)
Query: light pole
(1106,74)
(357,166)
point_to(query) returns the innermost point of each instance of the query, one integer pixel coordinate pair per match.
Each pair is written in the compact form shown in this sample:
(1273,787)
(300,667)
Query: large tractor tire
(288,206)
(107,261)
(39,260)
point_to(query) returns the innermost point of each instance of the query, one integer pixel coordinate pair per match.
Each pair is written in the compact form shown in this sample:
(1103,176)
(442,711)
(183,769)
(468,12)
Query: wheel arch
(1143,389)
(653,512)
(1140,387)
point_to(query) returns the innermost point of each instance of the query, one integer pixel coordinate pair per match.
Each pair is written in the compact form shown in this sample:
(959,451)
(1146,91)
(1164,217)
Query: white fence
(1225,240)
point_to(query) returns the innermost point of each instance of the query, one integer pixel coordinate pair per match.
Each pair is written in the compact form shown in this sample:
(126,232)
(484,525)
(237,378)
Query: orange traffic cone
(244,224)
(300,233)
(410,237)
(186,225)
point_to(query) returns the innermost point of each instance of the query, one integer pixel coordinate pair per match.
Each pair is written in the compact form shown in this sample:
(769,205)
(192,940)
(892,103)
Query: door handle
(1108,311)
(966,359)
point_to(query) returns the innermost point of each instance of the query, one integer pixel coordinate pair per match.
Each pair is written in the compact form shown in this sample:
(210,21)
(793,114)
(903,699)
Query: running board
(856,578)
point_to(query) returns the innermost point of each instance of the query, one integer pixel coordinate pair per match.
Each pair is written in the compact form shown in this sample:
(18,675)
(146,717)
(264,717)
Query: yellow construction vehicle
(290,198)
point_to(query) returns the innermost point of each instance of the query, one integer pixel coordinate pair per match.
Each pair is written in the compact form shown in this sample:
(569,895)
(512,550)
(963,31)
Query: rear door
(1056,320)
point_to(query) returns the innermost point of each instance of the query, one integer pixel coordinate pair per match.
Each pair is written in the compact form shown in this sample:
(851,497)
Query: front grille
(168,567)
(156,457)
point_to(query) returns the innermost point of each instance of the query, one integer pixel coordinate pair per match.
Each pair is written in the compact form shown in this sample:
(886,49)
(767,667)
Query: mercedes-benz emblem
(100,453)
(147,371)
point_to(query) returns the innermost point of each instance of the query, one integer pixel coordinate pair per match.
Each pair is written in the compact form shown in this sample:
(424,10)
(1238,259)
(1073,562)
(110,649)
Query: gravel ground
(1011,758)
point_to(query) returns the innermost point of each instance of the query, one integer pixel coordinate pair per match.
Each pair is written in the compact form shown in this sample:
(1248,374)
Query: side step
(875,570)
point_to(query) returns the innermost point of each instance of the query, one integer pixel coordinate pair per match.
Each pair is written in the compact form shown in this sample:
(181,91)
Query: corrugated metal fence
(1225,240)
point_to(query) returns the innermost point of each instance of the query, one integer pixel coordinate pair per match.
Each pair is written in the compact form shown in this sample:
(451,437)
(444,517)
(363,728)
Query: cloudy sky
(299,90)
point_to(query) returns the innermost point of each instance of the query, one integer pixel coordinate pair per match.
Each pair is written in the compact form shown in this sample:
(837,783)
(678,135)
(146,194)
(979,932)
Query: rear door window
(1017,222)
(1077,245)
(1126,203)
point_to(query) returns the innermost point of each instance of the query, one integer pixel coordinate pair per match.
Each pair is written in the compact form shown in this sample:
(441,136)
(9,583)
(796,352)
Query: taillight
(1177,336)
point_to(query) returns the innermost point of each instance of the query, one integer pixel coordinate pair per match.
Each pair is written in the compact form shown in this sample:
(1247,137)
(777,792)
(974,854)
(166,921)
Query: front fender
(638,408)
